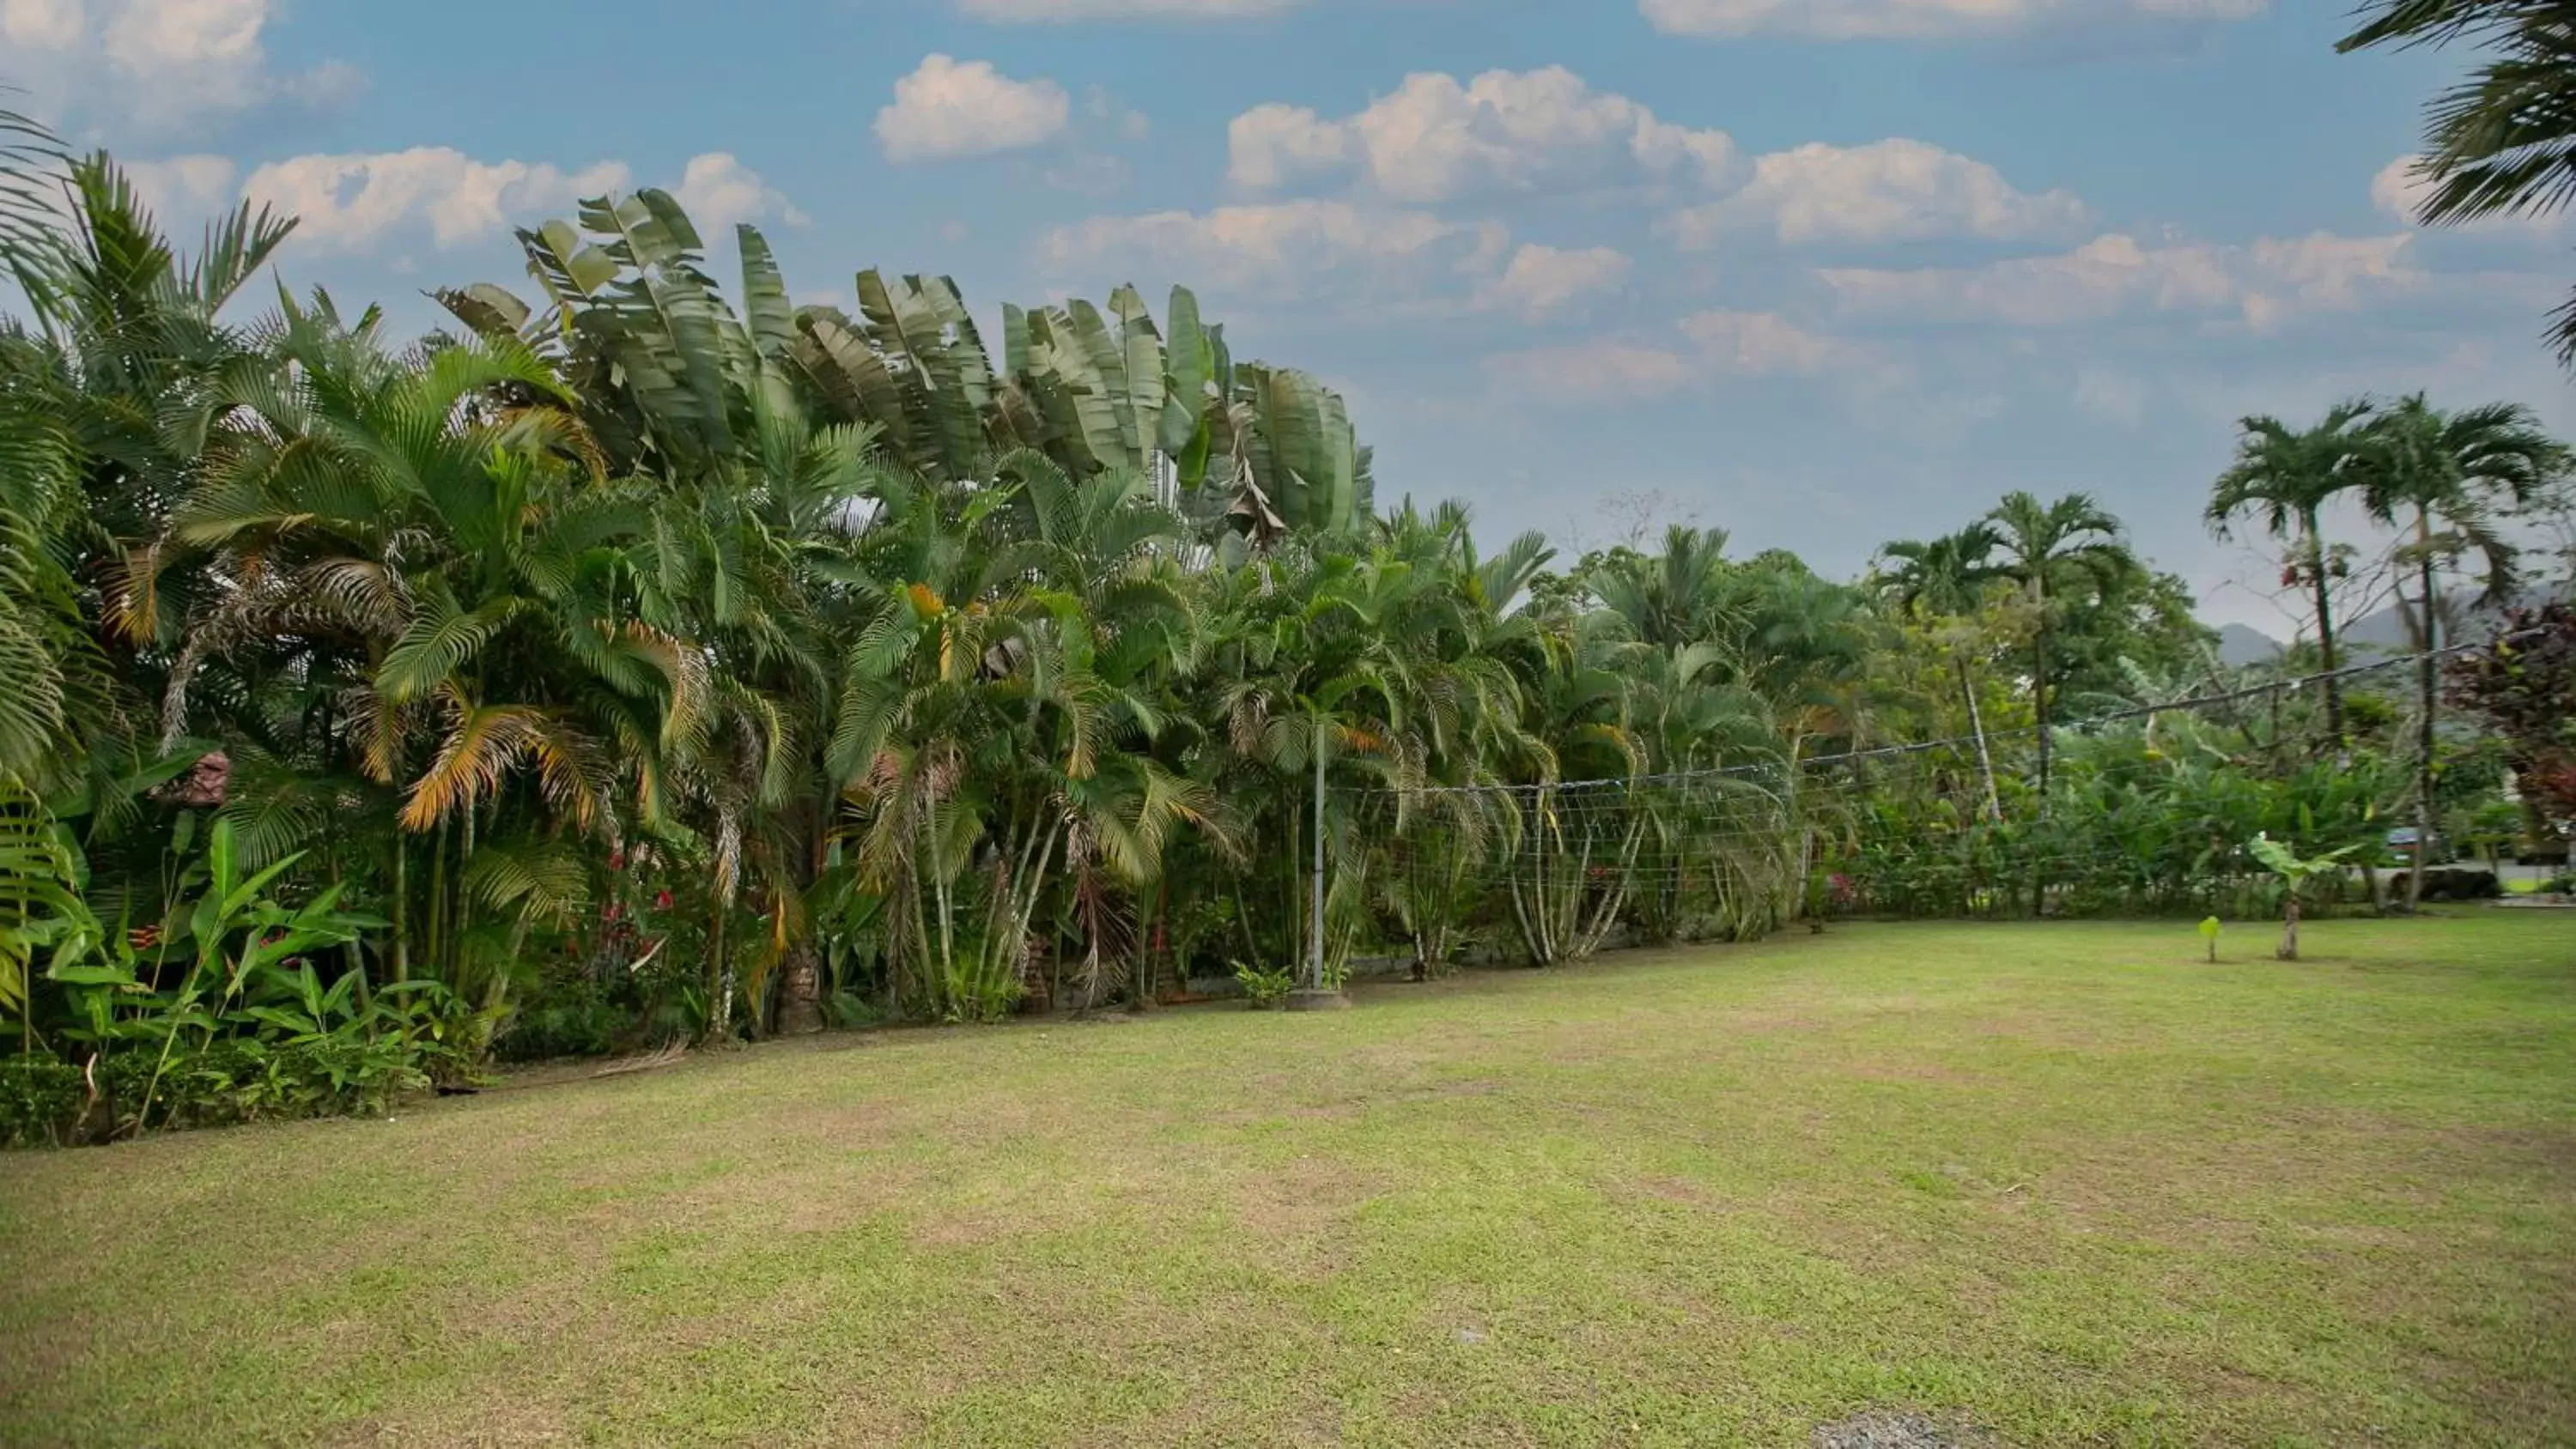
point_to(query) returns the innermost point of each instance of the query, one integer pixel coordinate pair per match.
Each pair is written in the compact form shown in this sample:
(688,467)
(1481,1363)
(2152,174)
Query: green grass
(2067,1180)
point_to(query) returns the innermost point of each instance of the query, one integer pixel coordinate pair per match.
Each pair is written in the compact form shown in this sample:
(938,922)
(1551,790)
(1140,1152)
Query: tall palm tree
(2443,476)
(2049,548)
(420,539)
(1947,575)
(1675,597)
(2502,142)
(2286,477)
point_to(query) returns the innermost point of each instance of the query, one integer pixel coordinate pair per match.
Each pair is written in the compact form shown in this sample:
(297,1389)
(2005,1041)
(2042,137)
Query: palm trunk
(800,985)
(402,907)
(800,991)
(2325,631)
(438,907)
(2039,699)
(2289,949)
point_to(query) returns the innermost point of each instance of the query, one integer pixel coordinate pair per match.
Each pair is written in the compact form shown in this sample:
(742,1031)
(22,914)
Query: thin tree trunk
(2424,729)
(1985,757)
(402,907)
(2325,632)
(438,907)
(2039,701)
(2289,949)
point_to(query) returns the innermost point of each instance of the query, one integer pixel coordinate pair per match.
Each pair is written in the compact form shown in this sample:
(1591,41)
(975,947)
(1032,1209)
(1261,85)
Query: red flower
(662,900)
(611,911)
(617,860)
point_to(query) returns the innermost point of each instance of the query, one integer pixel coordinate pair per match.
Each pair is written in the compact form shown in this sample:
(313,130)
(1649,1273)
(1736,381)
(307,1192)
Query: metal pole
(1315,928)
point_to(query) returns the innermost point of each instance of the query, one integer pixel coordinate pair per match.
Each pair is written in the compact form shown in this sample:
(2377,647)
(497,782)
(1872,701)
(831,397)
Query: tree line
(646,659)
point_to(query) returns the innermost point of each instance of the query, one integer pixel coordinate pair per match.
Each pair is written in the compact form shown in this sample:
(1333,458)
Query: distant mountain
(2239,646)
(2386,633)
(2372,636)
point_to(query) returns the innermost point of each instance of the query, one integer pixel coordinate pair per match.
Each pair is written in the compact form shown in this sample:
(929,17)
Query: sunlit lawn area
(2064,1180)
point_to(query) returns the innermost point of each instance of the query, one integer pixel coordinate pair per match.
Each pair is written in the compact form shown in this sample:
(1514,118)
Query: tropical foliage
(2503,141)
(647,659)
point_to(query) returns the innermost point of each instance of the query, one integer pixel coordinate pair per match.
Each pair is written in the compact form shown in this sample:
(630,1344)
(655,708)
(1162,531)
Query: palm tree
(2047,548)
(2503,142)
(2286,478)
(1675,597)
(1946,576)
(2444,475)
(420,539)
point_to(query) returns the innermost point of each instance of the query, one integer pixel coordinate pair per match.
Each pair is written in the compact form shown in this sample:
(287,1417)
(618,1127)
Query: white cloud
(1251,246)
(1542,281)
(1887,191)
(1435,139)
(1714,347)
(1766,344)
(2401,188)
(153,66)
(179,188)
(949,108)
(1602,367)
(351,201)
(1916,19)
(33,25)
(1271,145)
(717,191)
(1060,10)
(2264,282)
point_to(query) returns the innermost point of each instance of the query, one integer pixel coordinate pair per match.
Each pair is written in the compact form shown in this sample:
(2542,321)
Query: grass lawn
(2066,1180)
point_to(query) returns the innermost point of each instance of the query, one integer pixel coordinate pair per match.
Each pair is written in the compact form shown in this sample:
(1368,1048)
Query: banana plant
(2295,872)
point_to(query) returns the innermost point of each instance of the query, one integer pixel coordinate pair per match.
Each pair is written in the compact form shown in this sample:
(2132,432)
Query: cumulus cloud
(2265,282)
(1887,191)
(1917,19)
(718,191)
(1542,281)
(949,108)
(1601,367)
(2401,188)
(1765,344)
(1712,348)
(349,202)
(41,25)
(1436,140)
(1308,250)
(1062,10)
(178,188)
(151,66)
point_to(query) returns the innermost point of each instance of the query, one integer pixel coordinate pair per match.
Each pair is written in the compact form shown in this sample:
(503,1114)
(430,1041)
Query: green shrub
(40,1101)
(574,1019)
(1265,990)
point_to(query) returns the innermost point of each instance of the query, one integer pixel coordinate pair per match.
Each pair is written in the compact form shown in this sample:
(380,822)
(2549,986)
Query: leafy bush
(569,1019)
(40,1101)
(1265,990)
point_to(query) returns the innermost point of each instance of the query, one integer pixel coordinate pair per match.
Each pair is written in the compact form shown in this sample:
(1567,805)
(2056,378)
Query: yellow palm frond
(482,745)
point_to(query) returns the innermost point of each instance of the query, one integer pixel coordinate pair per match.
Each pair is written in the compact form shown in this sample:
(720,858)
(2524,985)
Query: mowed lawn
(2065,1181)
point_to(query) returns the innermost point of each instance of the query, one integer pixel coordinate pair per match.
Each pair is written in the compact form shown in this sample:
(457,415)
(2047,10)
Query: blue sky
(1822,272)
